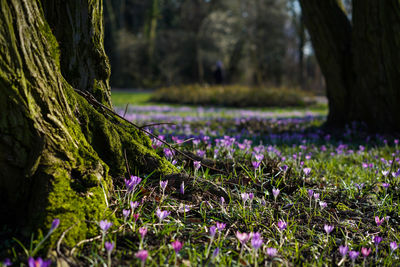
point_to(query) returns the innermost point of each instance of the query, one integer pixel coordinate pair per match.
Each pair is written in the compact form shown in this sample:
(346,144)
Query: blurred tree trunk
(199,60)
(376,43)
(330,32)
(234,59)
(359,61)
(58,153)
(151,31)
(302,40)
(121,17)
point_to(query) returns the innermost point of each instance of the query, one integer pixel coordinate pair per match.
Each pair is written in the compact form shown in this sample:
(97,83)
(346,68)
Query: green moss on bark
(58,154)
(76,208)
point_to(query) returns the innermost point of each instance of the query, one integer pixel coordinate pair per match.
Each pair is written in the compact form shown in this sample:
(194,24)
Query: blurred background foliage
(233,96)
(158,43)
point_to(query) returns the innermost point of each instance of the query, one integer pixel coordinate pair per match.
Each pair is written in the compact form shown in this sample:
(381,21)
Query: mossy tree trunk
(58,154)
(359,60)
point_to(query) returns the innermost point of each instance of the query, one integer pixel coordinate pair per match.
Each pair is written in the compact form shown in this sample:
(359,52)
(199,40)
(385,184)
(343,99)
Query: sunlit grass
(344,179)
(121,98)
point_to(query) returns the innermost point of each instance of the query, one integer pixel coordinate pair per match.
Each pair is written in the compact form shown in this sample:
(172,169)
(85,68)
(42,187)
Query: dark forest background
(156,43)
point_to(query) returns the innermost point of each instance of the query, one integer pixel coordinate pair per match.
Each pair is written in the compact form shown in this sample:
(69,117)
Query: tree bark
(302,39)
(359,61)
(376,42)
(58,154)
(78,28)
(330,33)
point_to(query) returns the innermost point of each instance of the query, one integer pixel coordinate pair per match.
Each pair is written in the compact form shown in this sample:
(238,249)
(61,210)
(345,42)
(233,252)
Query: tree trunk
(302,39)
(376,42)
(151,33)
(58,154)
(330,33)
(359,61)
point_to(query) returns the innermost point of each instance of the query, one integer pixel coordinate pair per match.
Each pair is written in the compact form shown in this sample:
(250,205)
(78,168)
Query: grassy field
(121,98)
(260,188)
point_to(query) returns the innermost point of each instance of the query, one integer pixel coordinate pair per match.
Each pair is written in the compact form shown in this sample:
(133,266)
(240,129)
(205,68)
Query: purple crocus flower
(282,225)
(242,237)
(245,197)
(307,171)
(393,246)
(213,230)
(256,241)
(284,167)
(379,221)
(259,157)
(182,188)
(310,193)
(385,185)
(359,186)
(328,228)
(215,253)
(222,201)
(7,262)
(316,195)
(162,214)
(109,246)
(177,246)
(126,213)
(271,252)
(365,251)
(197,165)
(343,250)
(132,183)
(39,262)
(276,192)
(353,255)
(142,255)
(377,240)
(201,153)
(241,146)
(134,205)
(169,153)
(163,185)
(255,164)
(251,196)
(221,226)
(196,142)
(105,225)
(142,231)
(323,204)
(54,224)
(184,208)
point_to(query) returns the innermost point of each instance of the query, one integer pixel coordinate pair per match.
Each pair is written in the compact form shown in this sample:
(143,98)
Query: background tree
(59,155)
(257,40)
(358,55)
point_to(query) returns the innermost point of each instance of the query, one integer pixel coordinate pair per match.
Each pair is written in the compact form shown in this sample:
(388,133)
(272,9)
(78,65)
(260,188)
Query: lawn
(121,98)
(257,187)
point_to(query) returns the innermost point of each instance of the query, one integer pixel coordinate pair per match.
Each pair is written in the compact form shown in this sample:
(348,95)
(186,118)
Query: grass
(354,178)
(121,98)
